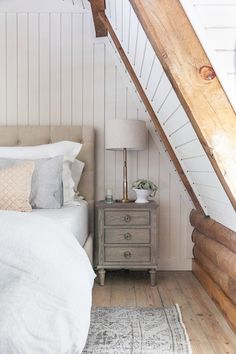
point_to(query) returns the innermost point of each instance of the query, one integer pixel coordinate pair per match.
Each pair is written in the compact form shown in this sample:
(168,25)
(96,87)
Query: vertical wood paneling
(3,69)
(153,161)
(99,116)
(12,68)
(119,17)
(66,64)
(175,212)
(53,71)
(88,68)
(77,62)
(33,69)
(22,67)
(143,163)
(44,66)
(186,244)
(165,210)
(120,113)
(42,6)
(110,113)
(125,24)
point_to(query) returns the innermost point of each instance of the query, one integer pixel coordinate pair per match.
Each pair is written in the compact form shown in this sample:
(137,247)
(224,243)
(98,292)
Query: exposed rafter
(191,74)
(98,7)
(150,111)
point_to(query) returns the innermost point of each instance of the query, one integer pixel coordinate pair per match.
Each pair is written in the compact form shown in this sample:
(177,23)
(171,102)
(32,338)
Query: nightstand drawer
(134,218)
(127,254)
(127,236)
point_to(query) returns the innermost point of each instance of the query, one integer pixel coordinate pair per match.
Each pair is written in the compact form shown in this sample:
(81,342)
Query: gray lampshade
(126,133)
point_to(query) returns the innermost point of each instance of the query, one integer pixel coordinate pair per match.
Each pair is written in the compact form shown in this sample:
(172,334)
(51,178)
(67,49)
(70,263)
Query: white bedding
(45,287)
(72,216)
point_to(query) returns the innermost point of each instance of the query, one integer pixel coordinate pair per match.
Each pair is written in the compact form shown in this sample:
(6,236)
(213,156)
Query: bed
(46,276)
(73,217)
(36,135)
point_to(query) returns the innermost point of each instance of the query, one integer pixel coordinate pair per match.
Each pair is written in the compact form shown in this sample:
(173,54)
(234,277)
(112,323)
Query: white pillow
(68,149)
(77,168)
(74,170)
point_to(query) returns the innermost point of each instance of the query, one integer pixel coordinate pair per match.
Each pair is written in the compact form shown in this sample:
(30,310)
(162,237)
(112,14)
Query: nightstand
(126,237)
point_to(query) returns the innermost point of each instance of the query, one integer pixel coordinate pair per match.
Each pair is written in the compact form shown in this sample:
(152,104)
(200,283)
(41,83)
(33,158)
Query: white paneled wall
(53,71)
(171,114)
(215,24)
(36,6)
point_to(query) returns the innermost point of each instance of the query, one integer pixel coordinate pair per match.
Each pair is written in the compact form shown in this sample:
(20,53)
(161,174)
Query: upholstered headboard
(37,135)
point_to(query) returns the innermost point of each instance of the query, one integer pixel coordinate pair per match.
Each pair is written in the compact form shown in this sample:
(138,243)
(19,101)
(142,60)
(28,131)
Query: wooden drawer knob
(127,254)
(127,218)
(127,236)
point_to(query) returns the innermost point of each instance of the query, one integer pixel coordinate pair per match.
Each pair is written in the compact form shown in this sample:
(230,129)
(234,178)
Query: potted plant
(144,189)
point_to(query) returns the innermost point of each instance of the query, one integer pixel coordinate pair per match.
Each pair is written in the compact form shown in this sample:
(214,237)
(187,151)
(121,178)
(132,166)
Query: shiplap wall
(54,71)
(171,114)
(215,24)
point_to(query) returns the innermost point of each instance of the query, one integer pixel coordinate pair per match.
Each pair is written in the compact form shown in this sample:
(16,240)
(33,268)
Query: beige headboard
(37,135)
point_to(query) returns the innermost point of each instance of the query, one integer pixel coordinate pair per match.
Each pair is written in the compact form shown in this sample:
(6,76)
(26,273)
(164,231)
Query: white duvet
(45,287)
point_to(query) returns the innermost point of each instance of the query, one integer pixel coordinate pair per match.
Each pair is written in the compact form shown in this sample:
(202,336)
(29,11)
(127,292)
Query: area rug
(137,331)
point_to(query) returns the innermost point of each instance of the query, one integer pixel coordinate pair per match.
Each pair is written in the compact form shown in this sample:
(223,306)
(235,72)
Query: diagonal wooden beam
(98,6)
(192,76)
(151,112)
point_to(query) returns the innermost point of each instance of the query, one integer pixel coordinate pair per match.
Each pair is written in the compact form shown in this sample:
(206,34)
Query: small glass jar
(109,197)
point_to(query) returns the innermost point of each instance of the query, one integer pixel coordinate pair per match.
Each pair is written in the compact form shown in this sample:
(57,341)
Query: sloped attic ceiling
(170,112)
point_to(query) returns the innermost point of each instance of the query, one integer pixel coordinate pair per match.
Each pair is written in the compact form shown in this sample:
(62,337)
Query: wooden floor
(208,331)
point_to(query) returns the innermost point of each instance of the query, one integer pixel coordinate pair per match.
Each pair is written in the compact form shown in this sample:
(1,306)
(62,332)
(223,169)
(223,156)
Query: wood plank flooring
(208,330)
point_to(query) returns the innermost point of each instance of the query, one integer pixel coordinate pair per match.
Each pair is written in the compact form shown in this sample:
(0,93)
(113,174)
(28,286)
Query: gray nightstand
(126,237)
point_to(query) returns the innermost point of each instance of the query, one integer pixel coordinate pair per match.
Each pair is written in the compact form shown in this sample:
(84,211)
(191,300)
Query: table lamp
(126,134)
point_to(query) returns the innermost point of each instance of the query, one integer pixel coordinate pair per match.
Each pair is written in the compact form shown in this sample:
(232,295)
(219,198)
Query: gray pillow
(46,185)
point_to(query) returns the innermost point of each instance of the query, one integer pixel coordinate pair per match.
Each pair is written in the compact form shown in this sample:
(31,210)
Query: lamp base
(125,200)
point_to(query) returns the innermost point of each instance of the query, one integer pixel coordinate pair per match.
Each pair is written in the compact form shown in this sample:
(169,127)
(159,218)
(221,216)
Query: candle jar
(109,197)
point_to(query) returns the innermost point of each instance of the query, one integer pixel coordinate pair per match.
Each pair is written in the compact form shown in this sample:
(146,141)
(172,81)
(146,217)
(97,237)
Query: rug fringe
(184,328)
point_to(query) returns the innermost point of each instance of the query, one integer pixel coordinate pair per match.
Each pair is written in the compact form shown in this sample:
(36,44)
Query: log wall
(214,262)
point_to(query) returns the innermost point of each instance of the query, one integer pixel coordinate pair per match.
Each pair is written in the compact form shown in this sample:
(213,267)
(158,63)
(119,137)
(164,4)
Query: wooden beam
(98,6)
(192,76)
(151,113)
(214,291)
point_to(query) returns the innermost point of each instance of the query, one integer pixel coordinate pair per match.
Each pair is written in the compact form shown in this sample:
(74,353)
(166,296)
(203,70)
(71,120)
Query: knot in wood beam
(207,72)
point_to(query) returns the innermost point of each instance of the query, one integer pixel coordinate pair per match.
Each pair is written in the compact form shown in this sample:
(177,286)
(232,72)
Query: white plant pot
(142,195)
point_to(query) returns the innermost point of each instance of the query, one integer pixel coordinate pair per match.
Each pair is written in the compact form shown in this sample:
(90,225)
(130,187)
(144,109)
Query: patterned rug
(137,331)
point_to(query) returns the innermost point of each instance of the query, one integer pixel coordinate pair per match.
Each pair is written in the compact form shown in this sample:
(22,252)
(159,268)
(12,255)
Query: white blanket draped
(45,287)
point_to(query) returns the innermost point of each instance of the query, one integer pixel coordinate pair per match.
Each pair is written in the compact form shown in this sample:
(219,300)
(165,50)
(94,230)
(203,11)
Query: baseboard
(226,306)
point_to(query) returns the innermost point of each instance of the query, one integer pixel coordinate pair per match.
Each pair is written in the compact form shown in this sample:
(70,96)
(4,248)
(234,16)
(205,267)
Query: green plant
(145,184)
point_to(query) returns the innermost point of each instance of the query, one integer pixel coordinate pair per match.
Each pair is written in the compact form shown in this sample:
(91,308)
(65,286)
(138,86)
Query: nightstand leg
(101,275)
(153,278)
